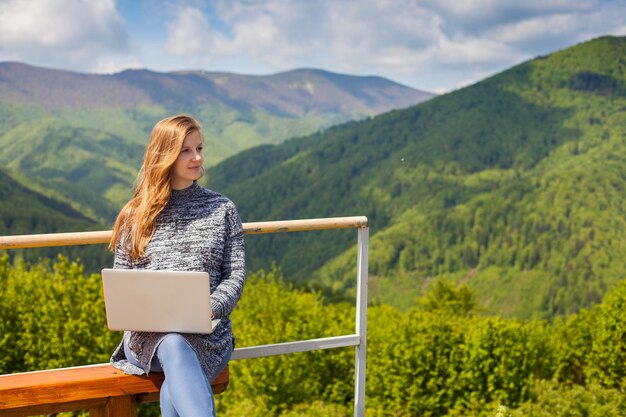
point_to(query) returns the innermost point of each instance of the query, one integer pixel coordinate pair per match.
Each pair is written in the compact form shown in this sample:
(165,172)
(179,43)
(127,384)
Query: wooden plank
(72,384)
(90,238)
(220,383)
(88,387)
(55,239)
(116,407)
(46,409)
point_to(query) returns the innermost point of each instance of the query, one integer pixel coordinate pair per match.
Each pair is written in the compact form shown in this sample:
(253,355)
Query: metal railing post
(361,323)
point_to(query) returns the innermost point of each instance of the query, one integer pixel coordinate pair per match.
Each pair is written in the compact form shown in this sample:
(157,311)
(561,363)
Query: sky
(432,45)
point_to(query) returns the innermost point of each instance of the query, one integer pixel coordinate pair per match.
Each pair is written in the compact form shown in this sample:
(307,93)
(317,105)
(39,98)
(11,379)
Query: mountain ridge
(430,178)
(106,119)
(29,208)
(29,84)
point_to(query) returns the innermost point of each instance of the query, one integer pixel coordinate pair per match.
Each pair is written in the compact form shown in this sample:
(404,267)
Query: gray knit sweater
(198,230)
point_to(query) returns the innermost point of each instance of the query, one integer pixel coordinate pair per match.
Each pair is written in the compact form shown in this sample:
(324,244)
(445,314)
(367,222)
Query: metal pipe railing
(358,340)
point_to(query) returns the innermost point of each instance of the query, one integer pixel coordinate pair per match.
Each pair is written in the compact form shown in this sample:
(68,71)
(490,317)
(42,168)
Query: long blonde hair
(136,222)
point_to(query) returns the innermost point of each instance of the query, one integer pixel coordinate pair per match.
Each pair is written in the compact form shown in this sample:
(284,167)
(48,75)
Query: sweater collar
(185,193)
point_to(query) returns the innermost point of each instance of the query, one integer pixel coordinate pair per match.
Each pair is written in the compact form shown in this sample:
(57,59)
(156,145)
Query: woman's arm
(229,290)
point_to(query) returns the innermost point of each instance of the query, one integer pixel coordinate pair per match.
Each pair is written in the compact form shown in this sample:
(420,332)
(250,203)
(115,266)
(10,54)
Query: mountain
(293,93)
(94,171)
(237,111)
(84,134)
(27,209)
(305,91)
(514,185)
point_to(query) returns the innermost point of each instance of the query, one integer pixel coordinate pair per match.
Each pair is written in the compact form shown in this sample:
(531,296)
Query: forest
(443,357)
(513,185)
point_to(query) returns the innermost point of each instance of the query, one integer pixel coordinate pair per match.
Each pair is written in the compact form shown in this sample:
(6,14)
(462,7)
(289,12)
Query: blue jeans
(185,392)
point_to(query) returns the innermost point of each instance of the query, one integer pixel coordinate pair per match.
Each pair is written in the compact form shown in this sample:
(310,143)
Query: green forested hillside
(83,134)
(237,111)
(438,359)
(27,208)
(88,166)
(513,185)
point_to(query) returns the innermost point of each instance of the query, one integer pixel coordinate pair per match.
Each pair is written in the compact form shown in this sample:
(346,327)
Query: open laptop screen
(158,301)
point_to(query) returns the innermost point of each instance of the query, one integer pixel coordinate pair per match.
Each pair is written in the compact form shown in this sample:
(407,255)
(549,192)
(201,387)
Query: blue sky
(433,45)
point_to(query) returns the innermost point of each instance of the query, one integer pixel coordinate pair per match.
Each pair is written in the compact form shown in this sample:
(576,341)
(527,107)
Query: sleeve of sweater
(121,259)
(229,290)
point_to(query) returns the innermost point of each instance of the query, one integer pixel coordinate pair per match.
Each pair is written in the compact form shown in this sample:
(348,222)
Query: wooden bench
(101,389)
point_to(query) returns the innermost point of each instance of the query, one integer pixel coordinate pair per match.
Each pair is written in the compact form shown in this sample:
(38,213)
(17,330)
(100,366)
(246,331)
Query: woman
(172,223)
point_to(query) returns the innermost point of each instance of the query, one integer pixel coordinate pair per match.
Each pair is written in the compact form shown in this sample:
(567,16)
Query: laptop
(158,301)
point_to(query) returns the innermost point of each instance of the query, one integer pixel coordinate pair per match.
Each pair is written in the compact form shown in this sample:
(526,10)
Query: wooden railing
(105,391)
(90,238)
(101,389)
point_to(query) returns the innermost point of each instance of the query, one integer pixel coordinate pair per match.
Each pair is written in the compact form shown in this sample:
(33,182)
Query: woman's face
(188,165)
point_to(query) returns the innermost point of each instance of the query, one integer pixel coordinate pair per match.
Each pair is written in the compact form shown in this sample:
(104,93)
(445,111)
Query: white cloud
(278,33)
(189,34)
(473,17)
(537,28)
(371,28)
(472,52)
(407,40)
(274,34)
(257,36)
(429,44)
(61,32)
